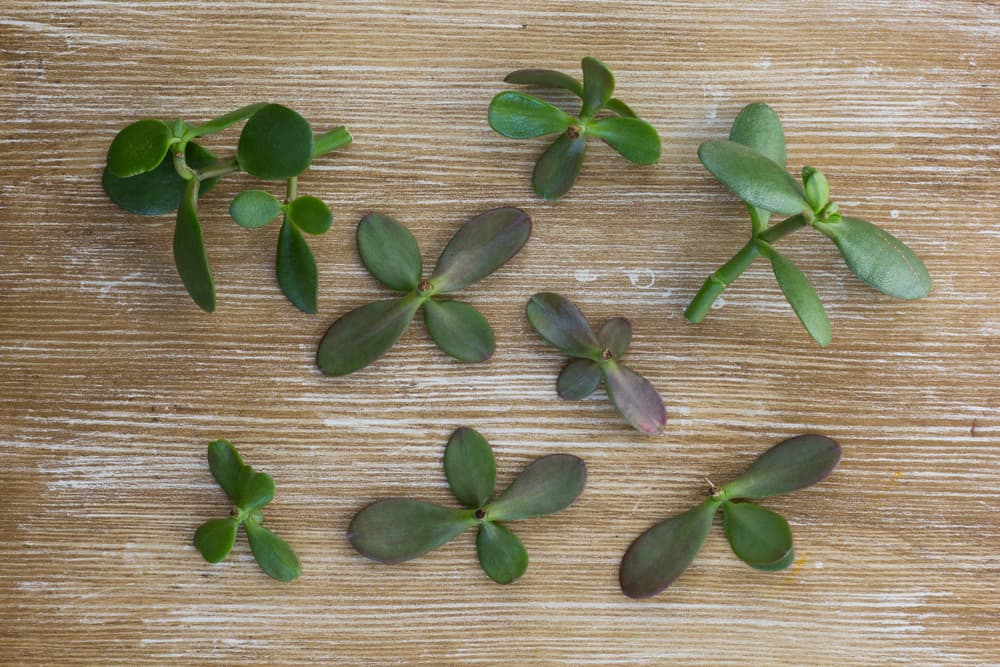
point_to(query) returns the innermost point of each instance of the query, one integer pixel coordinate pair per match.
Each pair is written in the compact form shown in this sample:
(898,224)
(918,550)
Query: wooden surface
(112,382)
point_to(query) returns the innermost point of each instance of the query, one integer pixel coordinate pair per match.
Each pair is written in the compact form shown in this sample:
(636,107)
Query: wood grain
(112,382)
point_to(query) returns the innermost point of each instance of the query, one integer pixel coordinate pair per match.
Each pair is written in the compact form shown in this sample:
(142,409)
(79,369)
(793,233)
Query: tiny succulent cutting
(759,537)
(596,357)
(391,255)
(752,164)
(519,116)
(399,529)
(154,168)
(250,491)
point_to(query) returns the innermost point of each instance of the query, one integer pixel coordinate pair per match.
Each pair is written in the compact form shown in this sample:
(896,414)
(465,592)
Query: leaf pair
(391,255)
(596,357)
(520,116)
(400,529)
(759,537)
(250,491)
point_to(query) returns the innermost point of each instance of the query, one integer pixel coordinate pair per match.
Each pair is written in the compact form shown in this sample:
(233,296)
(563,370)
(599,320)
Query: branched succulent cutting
(752,164)
(391,255)
(520,116)
(154,168)
(399,529)
(250,491)
(759,537)
(596,357)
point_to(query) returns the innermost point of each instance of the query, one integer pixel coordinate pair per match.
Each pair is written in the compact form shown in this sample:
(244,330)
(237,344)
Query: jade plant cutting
(391,255)
(520,116)
(399,529)
(596,357)
(250,491)
(154,168)
(752,164)
(759,537)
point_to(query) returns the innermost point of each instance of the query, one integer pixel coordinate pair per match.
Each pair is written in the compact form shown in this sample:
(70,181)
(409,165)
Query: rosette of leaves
(250,491)
(751,163)
(596,358)
(154,168)
(400,529)
(759,537)
(391,255)
(519,116)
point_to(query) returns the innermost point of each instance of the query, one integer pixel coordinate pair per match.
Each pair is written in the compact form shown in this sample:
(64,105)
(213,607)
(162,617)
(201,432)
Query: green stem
(336,138)
(220,168)
(290,189)
(783,229)
(719,281)
(758,220)
(181,165)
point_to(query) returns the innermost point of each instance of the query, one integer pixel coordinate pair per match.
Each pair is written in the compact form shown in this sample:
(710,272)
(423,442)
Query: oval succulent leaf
(635,398)
(389,252)
(758,536)
(634,138)
(225,463)
(253,489)
(578,379)
(189,251)
(791,464)
(215,538)
(480,247)
(560,322)
(363,335)
(546,77)
(310,214)
(777,565)
(756,179)
(273,554)
(501,553)
(399,529)
(296,268)
(757,126)
(459,329)
(470,467)
(138,148)
(598,84)
(276,143)
(802,297)
(556,170)
(254,208)
(546,486)
(160,190)
(620,108)
(615,336)
(520,116)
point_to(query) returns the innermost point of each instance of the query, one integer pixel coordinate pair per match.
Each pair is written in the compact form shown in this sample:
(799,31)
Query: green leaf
(615,336)
(758,127)
(879,258)
(399,529)
(296,268)
(634,138)
(273,554)
(389,252)
(560,322)
(470,467)
(556,170)
(791,464)
(310,214)
(459,329)
(276,143)
(758,536)
(222,122)
(802,297)
(501,553)
(225,463)
(160,190)
(620,108)
(546,77)
(546,486)
(215,538)
(578,379)
(598,85)
(364,334)
(139,148)
(662,553)
(480,247)
(817,188)
(756,179)
(254,208)
(778,565)
(253,489)
(189,251)
(520,116)
(635,398)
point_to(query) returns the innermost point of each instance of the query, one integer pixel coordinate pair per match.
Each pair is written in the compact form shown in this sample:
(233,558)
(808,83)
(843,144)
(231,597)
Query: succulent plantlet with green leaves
(400,529)
(391,255)
(250,491)
(154,168)
(752,164)
(596,357)
(519,116)
(759,537)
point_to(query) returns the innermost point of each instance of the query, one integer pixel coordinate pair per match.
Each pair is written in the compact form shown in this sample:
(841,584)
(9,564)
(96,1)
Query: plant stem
(719,281)
(783,229)
(220,168)
(336,138)
(290,189)
(181,165)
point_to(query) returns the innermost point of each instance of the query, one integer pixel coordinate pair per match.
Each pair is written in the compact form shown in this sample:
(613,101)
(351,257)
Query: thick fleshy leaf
(546,77)
(222,122)
(276,143)
(160,190)
(620,108)
(459,329)
(296,268)
(879,258)
(310,214)
(634,138)
(521,116)
(560,322)
(791,464)
(778,565)
(802,297)
(364,334)
(253,489)
(273,554)
(501,553)
(662,553)
(757,126)
(480,247)
(215,538)
(225,463)
(598,84)
(578,379)
(817,187)
(635,398)
(556,170)
(254,208)
(546,486)
(470,467)
(189,251)
(757,535)
(756,179)
(615,336)
(139,148)
(389,252)
(399,529)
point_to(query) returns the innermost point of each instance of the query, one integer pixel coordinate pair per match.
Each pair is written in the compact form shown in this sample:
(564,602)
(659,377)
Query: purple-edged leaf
(470,467)
(633,138)
(578,379)
(546,77)
(758,536)
(399,529)
(755,178)
(501,553)
(459,329)
(273,554)
(364,334)
(560,322)
(389,252)
(546,486)
(215,538)
(480,247)
(556,170)
(792,464)
(615,336)
(598,84)
(635,398)
(225,463)
(520,116)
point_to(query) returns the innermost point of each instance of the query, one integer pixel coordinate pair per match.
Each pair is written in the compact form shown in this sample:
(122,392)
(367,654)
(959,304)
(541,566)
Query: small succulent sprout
(395,530)
(596,357)
(249,491)
(752,163)
(759,537)
(391,255)
(520,116)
